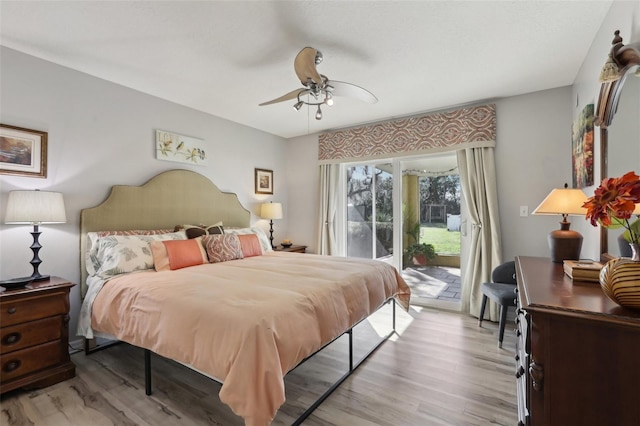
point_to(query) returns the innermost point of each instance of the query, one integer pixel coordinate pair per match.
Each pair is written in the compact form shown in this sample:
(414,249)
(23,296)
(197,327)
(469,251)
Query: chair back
(505,273)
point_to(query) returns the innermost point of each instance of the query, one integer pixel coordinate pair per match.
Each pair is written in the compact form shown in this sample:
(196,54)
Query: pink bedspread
(246,322)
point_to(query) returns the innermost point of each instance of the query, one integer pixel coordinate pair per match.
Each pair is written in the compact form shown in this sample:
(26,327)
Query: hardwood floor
(441,370)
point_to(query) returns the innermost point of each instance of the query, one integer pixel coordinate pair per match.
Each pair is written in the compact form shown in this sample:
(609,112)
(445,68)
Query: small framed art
(264,181)
(23,152)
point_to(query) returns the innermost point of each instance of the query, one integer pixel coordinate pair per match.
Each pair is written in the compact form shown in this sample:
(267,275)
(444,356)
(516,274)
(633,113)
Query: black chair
(501,291)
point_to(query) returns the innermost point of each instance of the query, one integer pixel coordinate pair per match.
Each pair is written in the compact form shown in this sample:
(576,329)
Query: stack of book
(583,270)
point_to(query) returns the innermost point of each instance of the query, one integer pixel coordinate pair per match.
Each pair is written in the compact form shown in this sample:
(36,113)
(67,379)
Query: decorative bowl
(287,245)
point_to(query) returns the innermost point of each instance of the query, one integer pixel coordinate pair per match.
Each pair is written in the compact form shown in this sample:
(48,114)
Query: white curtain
(478,182)
(328,201)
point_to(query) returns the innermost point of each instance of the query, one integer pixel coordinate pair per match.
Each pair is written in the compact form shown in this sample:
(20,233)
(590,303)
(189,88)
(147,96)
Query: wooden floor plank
(442,369)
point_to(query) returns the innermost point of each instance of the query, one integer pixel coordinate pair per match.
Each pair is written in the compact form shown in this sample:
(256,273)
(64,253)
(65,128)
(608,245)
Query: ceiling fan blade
(348,90)
(291,95)
(305,66)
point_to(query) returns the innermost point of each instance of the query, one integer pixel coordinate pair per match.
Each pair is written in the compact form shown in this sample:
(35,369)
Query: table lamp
(271,211)
(564,243)
(35,207)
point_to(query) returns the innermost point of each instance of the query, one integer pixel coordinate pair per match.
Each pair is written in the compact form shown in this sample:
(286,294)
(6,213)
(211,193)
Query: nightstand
(292,249)
(34,335)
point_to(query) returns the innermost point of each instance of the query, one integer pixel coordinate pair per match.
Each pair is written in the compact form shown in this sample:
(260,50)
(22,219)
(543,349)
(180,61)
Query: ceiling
(226,57)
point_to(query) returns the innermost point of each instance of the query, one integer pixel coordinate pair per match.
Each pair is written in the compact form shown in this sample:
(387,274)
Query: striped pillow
(172,255)
(195,231)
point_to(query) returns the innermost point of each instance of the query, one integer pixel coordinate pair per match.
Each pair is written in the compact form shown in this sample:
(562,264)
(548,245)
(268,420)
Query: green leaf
(635,226)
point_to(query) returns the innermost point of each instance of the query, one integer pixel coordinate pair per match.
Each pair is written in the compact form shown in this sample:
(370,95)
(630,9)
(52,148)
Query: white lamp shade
(271,211)
(35,207)
(563,201)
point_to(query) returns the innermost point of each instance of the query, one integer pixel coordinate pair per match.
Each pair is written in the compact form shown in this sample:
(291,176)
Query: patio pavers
(434,282)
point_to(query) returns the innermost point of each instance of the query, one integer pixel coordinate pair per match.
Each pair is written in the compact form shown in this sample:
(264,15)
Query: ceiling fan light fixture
(317,89)
(328,99)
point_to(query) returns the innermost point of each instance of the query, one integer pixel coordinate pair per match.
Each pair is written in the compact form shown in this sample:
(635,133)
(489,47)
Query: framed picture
(264,181)
(180,148)
(23,152)
(582,148)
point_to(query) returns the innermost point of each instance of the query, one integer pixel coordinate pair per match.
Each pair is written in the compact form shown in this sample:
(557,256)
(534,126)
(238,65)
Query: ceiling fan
(318,90)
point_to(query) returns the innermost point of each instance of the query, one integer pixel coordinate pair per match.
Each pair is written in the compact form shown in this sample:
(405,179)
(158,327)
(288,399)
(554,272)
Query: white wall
(302,182)
(101,134)
(533,156)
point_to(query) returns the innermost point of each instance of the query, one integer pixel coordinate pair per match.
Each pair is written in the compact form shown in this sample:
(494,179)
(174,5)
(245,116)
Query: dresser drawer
(19,363)
(33,308)
(522,365)
(16,337)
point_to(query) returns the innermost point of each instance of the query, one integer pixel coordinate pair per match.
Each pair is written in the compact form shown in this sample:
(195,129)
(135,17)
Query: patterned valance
(439,132)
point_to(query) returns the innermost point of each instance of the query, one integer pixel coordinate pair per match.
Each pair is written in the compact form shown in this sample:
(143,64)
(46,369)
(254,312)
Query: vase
(635,251)
(620,279)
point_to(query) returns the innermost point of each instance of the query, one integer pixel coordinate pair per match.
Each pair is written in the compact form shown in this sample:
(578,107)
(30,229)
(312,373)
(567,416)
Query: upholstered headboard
(171,198)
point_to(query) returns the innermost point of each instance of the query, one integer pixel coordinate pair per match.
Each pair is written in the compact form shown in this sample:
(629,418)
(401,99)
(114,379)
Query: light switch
(524,211)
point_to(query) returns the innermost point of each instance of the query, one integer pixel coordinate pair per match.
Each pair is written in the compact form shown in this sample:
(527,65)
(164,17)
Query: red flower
(614,201)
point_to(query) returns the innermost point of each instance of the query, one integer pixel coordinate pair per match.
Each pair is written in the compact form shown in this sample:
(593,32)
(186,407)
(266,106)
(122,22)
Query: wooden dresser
(578,353)
(34,335)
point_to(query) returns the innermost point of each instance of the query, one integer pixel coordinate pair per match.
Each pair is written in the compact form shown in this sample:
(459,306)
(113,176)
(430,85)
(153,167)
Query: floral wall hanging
(582,148)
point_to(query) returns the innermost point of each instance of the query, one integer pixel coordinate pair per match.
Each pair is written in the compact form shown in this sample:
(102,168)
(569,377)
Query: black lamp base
(271,233)
(35,262)
(565,244)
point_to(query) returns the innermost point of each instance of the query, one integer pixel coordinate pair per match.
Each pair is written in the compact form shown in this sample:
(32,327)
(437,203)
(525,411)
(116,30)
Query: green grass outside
(445,242)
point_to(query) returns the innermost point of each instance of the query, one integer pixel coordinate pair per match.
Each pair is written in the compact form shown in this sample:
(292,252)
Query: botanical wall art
(582,148)
(179,148)
(23,152)
(264,181)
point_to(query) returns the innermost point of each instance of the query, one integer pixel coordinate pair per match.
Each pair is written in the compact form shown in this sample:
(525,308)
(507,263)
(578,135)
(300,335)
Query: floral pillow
(223,247)
(120,254)
(92,264)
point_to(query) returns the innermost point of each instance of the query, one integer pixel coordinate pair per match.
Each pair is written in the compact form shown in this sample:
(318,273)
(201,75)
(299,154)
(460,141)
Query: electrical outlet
(524,211)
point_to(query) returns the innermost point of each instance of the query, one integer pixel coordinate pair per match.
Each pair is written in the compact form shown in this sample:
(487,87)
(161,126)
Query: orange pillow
(172,256)
(250,245)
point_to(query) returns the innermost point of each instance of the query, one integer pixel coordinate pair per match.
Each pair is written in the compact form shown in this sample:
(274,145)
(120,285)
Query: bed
(235,310)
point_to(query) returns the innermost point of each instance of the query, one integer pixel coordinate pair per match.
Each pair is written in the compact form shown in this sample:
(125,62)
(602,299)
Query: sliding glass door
(369,198)
(431,243)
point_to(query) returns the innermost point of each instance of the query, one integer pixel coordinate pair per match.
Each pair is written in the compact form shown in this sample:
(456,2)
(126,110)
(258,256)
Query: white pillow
(262,236)
(91,262)
(119,254)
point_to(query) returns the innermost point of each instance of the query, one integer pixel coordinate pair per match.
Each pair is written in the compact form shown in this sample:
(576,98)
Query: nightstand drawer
(33,308)
(19,363)
(31,333)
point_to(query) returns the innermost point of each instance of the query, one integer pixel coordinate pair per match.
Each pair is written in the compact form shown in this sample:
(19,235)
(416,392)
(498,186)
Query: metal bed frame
(333,387)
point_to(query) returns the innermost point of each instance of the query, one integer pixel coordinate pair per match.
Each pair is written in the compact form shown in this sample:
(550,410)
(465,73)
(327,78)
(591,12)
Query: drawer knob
(12,310)
(11,338)
(520,372)
(12,365)
(517,357)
